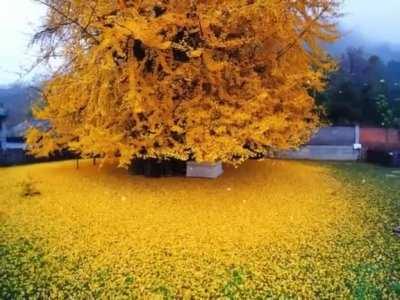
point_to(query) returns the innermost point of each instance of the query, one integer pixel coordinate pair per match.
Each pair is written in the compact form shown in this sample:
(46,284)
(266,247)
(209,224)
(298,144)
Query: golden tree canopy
(204,80)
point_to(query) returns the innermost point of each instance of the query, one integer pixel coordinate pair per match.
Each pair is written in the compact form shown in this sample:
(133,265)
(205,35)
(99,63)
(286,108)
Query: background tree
(387,116)
(203,80)
(393,77)
(363,91)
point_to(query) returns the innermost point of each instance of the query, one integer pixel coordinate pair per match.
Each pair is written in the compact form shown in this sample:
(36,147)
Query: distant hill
(17,100)
(353,39)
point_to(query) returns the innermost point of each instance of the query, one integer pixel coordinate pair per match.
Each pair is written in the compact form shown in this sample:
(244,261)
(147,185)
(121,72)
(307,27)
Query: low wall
(18,156)
(335,143)
(335,136)
(329,153)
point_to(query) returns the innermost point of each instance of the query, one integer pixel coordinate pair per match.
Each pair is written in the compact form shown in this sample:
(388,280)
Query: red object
(380,138)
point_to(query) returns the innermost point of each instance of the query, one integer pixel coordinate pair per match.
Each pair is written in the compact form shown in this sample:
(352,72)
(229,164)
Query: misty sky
(18,19)
(377,21)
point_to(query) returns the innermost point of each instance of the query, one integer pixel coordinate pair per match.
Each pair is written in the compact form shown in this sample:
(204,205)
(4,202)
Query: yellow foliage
(288,229)
(205,80)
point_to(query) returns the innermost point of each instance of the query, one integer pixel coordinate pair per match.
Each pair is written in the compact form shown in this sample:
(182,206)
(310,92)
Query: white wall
(3,135)
(13,146)
(329,153)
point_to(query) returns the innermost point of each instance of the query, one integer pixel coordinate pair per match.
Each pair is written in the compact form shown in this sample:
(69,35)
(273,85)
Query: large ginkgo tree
(202,80)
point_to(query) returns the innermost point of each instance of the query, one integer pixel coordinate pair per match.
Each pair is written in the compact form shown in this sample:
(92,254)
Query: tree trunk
(158,168)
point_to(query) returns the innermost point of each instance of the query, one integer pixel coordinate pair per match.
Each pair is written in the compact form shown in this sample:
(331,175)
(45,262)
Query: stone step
(204,170)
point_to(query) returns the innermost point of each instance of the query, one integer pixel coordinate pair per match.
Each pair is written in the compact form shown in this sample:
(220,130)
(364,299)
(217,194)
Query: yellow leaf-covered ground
(266,229)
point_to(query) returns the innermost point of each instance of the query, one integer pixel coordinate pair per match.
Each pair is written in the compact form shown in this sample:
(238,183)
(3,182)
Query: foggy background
(372,25)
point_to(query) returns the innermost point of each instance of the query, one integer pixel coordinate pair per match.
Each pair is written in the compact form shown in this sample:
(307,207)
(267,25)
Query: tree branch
(282,52)
(73,21)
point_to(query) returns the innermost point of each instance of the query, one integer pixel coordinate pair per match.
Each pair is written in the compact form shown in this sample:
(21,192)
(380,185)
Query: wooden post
(77,164)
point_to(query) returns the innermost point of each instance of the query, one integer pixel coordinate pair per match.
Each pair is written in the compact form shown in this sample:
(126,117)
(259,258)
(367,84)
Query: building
(381,146)
(13,143)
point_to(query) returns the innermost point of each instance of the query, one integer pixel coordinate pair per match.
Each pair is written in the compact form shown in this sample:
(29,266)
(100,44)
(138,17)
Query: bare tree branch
(84,29)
